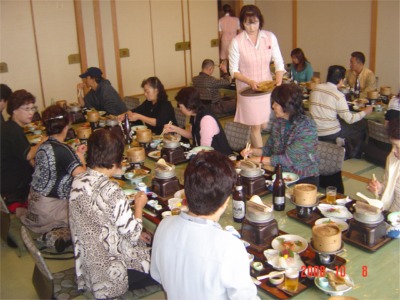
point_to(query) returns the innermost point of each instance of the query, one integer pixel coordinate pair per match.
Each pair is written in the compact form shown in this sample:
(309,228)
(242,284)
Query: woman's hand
(375,187)
(145,237)
(169,128)
(246,152)
(81,149)
(140,200)
(132,116)
(253,85)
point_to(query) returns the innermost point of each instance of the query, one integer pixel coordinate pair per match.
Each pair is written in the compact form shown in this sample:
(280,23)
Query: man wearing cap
(208,87)
(101,96)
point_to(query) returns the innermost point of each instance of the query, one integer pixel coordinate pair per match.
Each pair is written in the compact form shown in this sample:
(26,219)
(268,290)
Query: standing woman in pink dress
(228,27)
(250,54)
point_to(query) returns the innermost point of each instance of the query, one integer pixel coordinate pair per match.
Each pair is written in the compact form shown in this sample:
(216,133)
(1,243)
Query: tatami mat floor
(16,272)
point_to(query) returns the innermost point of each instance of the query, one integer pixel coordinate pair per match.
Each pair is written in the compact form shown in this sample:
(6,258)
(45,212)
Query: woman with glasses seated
(206,130)
(156,110)
(16,152)
(55,165)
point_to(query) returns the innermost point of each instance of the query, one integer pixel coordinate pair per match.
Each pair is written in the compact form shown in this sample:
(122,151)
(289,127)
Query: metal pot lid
(358,217)
(163,174)
(252,173)
(259,217)
(171,145)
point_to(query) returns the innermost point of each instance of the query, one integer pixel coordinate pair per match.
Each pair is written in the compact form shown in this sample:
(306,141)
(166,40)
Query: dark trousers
(355,137)
(138,280)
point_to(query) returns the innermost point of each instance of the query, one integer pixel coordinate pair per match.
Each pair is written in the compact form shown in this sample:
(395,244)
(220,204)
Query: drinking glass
(291,279)
(331,195)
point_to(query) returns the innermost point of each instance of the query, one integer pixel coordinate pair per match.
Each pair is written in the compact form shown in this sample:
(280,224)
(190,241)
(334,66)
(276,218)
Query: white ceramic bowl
(276,278)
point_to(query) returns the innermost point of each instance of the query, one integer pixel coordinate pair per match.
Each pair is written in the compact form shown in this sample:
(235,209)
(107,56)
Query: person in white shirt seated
(192,256)
(335,122)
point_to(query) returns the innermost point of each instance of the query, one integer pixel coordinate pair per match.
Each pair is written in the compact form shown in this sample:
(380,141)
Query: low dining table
(375,274)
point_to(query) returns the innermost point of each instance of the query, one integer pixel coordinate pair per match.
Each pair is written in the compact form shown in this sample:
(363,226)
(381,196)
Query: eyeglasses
(30,109)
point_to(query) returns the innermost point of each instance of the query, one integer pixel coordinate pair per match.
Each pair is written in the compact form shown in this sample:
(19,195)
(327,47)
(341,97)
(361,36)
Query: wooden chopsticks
(163,132)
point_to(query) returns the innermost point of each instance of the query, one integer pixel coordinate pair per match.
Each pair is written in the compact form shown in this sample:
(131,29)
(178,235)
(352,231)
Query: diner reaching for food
(250,54)
(101,95)
(156,110)
(205,128)
(389,190)
(293,139)
(17,154)
(206,261)
(55,165)
(335,122)
(111,255)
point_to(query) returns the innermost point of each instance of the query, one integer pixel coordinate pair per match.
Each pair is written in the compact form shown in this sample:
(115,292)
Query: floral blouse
(105,235)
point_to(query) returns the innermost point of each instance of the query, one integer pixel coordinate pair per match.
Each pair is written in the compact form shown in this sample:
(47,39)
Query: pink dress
(254,63)
(228,26)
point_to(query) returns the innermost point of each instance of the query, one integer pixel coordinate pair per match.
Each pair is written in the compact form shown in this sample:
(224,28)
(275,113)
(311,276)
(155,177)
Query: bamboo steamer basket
(143,135)
(386,90)
(93,116)
(62,103)
(136,154)
(373,95)
(83,133)
(326,237)
(305,194)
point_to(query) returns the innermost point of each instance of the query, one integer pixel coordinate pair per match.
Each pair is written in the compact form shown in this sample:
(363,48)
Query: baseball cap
(92,72)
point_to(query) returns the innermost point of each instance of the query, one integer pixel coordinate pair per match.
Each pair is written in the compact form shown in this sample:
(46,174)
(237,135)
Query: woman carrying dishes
(206,130)
(16,153)
(250,55)
(156,110)
(55,165)
(390,188)
(301,69)
(109,245)
(293,139)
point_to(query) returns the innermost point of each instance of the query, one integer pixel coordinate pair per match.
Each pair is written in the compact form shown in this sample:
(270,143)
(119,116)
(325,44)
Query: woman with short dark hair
(293,140)
(55,165)
(110,249)
(206,129)
(301,68)
(156,110)
(16,151)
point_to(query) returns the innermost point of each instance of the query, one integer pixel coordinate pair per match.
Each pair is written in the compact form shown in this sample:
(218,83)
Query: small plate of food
(288,177)
(291,242)
(335,211)
(155,154)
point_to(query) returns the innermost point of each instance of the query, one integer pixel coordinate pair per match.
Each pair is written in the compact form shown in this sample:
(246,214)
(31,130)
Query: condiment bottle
(278,190)
(127,130)
(357,88)
(238,204)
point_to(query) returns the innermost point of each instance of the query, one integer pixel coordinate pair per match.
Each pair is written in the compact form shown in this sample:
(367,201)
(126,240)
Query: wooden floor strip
(355,177)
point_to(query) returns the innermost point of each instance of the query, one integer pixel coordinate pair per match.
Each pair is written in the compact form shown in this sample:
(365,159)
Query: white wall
(18,48)
(330,30)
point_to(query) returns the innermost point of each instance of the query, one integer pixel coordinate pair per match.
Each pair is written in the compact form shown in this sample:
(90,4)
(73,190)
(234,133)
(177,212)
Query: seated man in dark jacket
(208,87)
(101,96)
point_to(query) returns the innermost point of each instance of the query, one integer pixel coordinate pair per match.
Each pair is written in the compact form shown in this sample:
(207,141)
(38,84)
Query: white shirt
(326,103)
(193,258)
(234,54)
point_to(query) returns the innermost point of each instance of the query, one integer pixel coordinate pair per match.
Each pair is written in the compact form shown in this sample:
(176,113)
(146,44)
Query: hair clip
(55,118)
